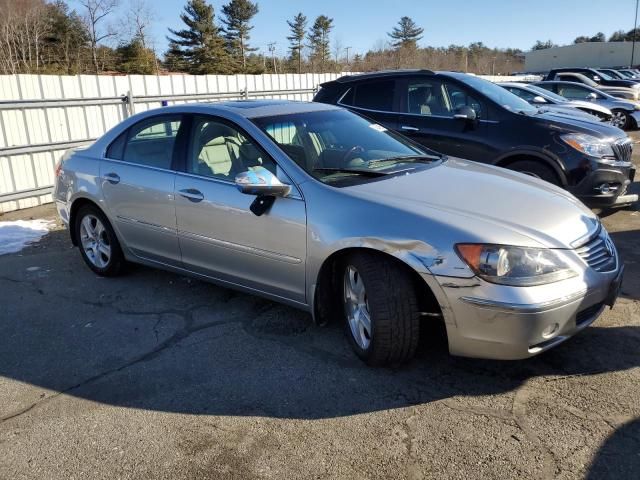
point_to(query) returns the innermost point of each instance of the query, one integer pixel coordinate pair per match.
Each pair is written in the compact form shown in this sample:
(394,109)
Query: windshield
(604,76)
(498,94)
(341,148)
(546,93)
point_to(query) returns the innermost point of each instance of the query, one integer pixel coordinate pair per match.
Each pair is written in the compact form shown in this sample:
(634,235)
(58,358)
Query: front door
(219,235)
(428,115)
(137,183)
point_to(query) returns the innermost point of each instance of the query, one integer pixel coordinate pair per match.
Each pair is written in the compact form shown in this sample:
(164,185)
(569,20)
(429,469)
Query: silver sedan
(319,208)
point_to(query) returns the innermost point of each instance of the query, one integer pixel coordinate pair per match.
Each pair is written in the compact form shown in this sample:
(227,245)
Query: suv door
(137,184)
(219,235)
(376,99)
(428,108)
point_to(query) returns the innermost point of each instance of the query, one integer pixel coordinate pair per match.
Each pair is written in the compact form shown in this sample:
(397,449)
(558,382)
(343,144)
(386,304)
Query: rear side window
(116,149)
(151,141)
(377,95)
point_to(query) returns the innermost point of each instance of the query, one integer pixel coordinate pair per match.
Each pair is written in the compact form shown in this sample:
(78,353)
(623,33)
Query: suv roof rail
(381,73)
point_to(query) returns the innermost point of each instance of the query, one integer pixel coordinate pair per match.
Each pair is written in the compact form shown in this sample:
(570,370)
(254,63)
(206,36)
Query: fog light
(550,331)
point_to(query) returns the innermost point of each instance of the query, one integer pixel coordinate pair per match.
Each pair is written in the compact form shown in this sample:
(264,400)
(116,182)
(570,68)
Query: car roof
(379,74)
(254,108)
(513,84)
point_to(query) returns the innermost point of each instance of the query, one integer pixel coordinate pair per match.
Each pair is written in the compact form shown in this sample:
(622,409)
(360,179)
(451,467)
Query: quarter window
(150,142)
(377,95)
(221,151)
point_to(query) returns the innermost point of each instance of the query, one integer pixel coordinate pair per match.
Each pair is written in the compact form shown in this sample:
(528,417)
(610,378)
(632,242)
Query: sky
(362,24)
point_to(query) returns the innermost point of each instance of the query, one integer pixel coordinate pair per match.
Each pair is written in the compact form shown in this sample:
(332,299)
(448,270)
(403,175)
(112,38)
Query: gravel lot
(153,375)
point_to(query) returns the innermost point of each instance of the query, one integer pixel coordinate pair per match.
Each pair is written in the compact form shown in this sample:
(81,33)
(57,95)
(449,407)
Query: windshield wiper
(359,171)
(405,158)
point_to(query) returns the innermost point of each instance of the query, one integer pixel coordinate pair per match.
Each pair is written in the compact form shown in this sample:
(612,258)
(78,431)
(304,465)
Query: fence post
(130,102)
(245,93)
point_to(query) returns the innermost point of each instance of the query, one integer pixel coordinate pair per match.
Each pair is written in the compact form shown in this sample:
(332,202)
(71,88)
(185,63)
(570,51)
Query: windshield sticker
(377,127)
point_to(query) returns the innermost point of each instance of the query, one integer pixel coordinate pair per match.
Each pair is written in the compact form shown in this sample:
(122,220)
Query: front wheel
(621,119)
(535,169)
(381,310)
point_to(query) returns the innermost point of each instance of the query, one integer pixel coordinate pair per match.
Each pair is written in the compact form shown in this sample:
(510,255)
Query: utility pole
(272,50)
(635,27)
(347,50)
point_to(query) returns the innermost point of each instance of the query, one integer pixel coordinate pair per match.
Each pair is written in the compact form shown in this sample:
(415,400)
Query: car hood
(569,111)
(593,106)
(487,204)
(572,124)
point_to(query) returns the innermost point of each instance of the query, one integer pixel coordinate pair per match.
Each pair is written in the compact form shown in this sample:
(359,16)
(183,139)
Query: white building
(589,54)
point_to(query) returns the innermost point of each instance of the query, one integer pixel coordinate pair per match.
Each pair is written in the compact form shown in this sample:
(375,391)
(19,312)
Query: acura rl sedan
(319,208)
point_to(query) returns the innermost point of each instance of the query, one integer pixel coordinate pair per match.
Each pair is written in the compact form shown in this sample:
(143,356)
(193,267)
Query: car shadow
(627,244)
(158,341)
(619,456)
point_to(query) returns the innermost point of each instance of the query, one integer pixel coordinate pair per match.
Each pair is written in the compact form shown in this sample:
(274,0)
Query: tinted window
(116,149)
(427,97)
(150,142)
(496,93)
(220,150)
(459,97)
(376,95)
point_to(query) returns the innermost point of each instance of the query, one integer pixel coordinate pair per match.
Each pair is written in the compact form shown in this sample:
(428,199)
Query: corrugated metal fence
(41,116)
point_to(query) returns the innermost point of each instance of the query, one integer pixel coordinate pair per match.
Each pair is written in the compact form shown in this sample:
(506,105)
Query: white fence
(41,116)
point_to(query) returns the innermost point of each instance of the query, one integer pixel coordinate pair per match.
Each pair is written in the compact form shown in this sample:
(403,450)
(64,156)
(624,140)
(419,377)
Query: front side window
(341,148)
(573,92)
(373,95)
(151,141)
(219,150)
(523,94)
(428,97)
(497,94)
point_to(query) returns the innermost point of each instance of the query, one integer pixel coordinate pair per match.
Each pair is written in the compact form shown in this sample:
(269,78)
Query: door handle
(192,195)
(409,129)
(112,178)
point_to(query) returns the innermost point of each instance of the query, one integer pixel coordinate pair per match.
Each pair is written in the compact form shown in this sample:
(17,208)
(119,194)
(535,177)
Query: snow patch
(16,235)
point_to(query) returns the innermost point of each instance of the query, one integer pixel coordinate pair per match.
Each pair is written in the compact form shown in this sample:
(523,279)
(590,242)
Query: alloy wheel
(95,241)
(619,119)
(357,307)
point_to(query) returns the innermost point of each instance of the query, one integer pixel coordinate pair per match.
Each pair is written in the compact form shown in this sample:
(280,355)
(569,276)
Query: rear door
(137,183)
(376,99)
(428,108)
(219,235)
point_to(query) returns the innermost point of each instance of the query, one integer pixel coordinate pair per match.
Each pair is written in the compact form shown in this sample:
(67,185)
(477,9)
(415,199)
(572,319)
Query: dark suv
(597,76)
(465,116)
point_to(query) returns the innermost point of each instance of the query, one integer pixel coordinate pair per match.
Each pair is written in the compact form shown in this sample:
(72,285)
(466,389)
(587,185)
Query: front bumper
(588,190)
(525,321)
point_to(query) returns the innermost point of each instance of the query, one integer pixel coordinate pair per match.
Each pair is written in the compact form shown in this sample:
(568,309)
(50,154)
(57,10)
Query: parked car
(597,76)
(614,74)
(466,116)
(626,114)
(627,93)
(321,209)
(630,73)
(539,97)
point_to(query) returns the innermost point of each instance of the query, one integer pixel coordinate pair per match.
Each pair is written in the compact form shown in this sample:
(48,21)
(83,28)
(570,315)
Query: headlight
(515,266)
(589,145)
(636,106)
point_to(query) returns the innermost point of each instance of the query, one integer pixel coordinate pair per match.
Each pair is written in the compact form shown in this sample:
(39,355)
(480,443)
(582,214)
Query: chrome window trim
(141,165)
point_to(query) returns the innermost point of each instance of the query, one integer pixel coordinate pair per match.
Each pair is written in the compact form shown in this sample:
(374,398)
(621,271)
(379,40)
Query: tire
(95,238)
(621,119)
(535,169)
(390,301)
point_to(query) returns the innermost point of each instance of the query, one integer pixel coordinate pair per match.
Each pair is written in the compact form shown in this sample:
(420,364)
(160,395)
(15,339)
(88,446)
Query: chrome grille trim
(623,148)
(595,253)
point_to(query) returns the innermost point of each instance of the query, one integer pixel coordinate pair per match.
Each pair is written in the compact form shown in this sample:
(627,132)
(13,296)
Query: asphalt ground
(154,375)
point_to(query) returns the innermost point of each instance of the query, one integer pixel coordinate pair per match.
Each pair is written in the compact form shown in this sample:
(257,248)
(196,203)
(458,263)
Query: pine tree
(200,46)
(296,39)
(135,58)
(238,14)
(319,39)
(406,34)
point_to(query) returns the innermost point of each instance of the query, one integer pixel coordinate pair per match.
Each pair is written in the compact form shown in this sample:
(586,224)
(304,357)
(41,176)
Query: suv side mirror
(539,99)
(260,181)
(466,113)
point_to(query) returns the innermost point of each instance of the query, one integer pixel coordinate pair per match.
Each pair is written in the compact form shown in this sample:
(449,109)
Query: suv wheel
(381,310)
(620,119)
(98,243)
(535,169)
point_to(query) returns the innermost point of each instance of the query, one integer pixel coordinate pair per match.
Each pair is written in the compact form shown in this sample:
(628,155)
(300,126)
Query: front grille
(623,149)
(599,252)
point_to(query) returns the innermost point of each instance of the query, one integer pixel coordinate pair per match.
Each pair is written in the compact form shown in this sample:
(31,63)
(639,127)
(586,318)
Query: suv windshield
(498,94)
(341,148)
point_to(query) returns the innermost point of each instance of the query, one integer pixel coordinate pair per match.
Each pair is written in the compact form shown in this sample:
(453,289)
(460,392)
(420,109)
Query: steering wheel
(352,151)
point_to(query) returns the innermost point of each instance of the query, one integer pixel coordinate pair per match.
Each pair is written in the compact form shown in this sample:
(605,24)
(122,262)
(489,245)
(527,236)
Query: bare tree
(95,13)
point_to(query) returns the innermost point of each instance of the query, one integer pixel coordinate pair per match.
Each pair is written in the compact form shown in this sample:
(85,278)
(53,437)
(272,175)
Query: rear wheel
(621,119)
(98,243)
(535,169)
(381,310)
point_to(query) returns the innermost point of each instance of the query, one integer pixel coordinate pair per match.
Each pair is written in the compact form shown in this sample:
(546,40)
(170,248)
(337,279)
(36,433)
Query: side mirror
(596,78)
(592,96)
(260,181)
(539,99)
(466,113)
